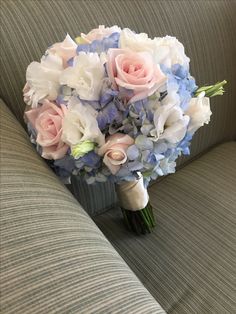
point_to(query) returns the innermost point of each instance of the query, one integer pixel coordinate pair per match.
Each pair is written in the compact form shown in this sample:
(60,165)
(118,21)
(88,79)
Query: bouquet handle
(135,206)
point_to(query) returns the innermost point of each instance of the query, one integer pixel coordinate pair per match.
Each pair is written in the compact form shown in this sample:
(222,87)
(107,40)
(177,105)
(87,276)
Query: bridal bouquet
(119,106)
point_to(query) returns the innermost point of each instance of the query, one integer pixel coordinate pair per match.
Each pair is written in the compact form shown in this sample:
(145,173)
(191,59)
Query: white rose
(85,76)
(99,33)
(170,124)
(43,80)
(80,124)
(135,42)
(168,51)
(199,112)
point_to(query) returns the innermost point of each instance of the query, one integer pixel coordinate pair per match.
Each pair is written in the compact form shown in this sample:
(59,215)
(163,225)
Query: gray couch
(54,258)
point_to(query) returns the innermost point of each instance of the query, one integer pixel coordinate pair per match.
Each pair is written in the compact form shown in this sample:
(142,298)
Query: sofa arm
(54,259)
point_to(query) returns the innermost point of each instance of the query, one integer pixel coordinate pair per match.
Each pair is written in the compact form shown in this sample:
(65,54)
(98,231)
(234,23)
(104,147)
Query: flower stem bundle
(212,90)
(141,221)
(135,206)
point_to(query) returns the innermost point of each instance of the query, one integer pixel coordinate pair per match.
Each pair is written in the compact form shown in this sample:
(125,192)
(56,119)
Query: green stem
(211,90)
(140,221)
(151,214)
(126,219)
(147,224)
(147,215)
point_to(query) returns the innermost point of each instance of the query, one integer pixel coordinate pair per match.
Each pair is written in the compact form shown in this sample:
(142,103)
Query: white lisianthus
(172,97)
(199,112)
(135,42)
(80,125)
(170,124)
(85,76)
(165,50)
(43,80)
(168,51)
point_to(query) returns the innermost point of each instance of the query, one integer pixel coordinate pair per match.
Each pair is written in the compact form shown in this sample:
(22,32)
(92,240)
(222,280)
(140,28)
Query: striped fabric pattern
(54,259)
(95,199)
(188,262)
(206,28)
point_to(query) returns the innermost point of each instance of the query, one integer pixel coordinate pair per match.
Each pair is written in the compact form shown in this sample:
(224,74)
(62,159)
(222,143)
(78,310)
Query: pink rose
(65,49)
(134,71)
(114,151)
(47,120)
(26,95)
(99,33)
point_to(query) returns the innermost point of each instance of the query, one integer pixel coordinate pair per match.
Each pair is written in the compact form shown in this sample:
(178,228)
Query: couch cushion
(54,259)
(29,27)
(188,262)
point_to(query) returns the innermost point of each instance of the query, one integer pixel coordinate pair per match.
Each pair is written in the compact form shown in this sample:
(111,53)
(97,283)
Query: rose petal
(113,168)
(115,139)
(55,152)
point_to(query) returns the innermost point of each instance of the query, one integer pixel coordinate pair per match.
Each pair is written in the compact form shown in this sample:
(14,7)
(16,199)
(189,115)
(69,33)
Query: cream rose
(85,76)
(99,33)
(114,151)
(134,71)
(80,125)
(199,112)
(65,49)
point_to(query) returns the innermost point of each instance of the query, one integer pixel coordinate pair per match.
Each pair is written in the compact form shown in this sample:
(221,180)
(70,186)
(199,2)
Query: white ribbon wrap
(132,195)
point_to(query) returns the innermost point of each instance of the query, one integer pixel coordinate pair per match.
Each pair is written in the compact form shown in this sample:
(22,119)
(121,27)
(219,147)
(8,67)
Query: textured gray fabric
(53,257)
(188,262)
(95,198)
(206,28)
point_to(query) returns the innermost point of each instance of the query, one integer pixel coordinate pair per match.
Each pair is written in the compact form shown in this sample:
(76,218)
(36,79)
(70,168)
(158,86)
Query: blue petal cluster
(181,77)
(100,46)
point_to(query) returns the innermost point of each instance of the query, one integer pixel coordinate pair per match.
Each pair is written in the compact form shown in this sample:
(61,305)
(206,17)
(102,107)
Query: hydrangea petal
(132,152)
(143,143)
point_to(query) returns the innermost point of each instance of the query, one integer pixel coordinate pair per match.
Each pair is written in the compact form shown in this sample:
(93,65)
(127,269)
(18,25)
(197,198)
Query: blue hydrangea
(108,115)
(90,160)
(180,77)
(100,46)
(64,167)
